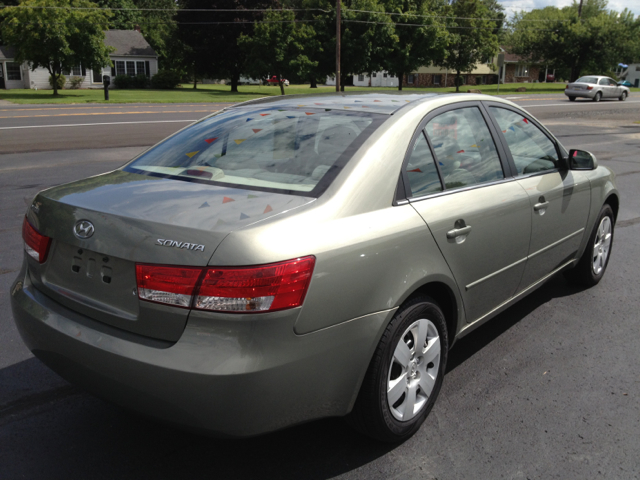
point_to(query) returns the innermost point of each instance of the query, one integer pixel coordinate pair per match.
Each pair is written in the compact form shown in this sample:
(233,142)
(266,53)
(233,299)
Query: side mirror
(582,160)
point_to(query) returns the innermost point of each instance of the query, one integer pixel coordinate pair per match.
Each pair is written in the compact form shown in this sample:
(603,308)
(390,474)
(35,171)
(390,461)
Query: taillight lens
(170,285)
(35,244)
(262,288)
(589,88)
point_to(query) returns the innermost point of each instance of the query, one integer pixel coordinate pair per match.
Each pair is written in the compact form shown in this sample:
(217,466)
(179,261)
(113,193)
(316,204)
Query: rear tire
(572,99)
(405,374)
(597,97)
(591,267)
(623,97)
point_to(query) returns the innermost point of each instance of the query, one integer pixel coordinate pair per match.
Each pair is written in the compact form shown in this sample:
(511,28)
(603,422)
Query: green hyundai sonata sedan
(290,259)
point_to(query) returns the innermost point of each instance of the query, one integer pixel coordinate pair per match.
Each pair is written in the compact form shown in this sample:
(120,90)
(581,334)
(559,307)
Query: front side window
(464,148)
(268,149)
(421,169)
(13,71)
(532,151)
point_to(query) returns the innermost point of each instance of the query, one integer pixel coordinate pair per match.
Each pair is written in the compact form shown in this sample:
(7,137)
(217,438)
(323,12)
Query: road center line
(90,124)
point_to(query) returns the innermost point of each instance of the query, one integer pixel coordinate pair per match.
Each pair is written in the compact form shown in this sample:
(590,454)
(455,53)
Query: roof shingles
(128,43)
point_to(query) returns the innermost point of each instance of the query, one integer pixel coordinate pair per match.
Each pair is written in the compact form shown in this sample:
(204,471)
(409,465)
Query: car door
(559,198)
(607,90)
(478,215)
(616,90)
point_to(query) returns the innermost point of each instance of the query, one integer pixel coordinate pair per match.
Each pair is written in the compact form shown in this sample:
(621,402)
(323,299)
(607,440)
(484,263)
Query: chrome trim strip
(548,247)
(477,282)
(515,297)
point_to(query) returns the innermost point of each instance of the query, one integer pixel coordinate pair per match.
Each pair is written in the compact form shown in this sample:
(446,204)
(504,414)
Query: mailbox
(106,81)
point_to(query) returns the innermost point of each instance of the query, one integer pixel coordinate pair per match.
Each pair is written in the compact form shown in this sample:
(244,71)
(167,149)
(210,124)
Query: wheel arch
(446,300)
(614,202)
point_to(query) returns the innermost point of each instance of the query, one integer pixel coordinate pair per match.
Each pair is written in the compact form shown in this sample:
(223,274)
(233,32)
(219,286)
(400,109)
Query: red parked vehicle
(274,81)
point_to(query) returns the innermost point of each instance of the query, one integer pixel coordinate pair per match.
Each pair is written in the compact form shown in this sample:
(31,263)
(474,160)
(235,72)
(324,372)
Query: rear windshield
(593,80)
(296,151)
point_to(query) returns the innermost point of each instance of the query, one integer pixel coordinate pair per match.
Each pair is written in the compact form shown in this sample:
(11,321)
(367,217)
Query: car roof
(375,102)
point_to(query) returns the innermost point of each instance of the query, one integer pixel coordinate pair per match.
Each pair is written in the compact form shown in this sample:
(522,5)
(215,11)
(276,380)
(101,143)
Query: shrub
(139,81)
(165,79)
(61,81)
(122,81)
(75,82)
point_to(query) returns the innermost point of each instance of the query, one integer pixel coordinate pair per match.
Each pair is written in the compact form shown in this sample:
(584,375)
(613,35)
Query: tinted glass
(532,151)
(421,169)
(281,149)
(464,148)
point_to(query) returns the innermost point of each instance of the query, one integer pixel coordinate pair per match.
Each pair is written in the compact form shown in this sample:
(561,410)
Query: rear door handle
(457,232)
(540,206)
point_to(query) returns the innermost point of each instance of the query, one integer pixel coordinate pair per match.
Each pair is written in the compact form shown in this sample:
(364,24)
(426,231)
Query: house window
(410,79)
(437,79)
(384,75)
(374,75)
(76,71)
(139,68)
(522,71)
(120,68)
(13,71)
(131,69)
(361,78)
(97,76)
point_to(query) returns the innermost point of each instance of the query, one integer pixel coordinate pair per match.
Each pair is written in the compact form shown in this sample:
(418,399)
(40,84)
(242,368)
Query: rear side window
(289,150)
(464,148)
(532,151)
(421,169)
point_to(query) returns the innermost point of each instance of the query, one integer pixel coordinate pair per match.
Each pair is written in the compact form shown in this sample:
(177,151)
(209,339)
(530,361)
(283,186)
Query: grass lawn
(221,93)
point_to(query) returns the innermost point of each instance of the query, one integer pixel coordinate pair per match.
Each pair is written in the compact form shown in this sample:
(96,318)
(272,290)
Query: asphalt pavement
(548,389)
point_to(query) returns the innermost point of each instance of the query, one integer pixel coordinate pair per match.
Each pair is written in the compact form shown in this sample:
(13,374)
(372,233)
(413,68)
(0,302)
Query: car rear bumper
(580,93)
(227,375)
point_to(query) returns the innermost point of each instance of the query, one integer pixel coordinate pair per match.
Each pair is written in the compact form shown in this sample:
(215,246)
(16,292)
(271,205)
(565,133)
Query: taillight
(35,244)
(589,88)
(170,285)
(262,288)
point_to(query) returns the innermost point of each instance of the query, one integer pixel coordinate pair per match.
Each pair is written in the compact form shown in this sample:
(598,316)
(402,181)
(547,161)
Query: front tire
(623,97)
(591,267)
(598,97)
(405,374)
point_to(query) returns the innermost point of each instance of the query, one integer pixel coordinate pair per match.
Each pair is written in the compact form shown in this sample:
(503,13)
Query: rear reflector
(35,244)
(262,288)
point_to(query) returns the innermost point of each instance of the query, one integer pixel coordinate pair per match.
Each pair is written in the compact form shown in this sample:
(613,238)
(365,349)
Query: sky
(518,5)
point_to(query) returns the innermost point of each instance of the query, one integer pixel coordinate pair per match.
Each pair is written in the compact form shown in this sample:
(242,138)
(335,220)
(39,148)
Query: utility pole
(338,15)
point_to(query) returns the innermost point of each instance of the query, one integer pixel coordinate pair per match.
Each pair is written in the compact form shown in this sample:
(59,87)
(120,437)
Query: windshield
(593,80)
(285,150)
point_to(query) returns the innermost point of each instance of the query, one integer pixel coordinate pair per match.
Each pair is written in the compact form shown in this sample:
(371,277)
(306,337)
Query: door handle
(540,206)
(458,232)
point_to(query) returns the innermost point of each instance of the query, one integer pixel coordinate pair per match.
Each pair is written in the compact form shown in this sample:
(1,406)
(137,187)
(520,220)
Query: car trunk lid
(136,219)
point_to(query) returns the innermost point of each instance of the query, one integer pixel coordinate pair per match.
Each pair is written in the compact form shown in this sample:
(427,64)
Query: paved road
(548,389)
(31,128)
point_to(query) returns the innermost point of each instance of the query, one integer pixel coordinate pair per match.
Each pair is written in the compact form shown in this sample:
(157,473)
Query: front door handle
(540,206)
(458,232)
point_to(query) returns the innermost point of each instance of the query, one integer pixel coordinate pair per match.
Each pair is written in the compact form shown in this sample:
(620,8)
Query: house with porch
(132,56)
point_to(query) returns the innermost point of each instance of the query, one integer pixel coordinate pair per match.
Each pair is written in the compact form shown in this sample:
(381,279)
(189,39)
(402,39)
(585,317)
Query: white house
(632,74)
(132,56)
(376,79)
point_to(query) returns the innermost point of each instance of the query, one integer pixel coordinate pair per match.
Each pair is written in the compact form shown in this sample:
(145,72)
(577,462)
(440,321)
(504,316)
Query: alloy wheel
(413,370)
(601,245)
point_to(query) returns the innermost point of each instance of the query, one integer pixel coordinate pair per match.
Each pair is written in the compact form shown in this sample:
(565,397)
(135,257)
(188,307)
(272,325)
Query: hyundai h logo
(83,229)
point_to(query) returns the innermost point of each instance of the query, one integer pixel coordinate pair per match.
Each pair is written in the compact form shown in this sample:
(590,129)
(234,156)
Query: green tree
(158,26)
(593,42)
(276,47)
(416,45)
(472,37)
(124,13)
(57,38)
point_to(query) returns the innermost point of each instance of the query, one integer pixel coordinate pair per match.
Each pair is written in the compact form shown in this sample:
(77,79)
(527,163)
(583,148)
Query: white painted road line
(90,124)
